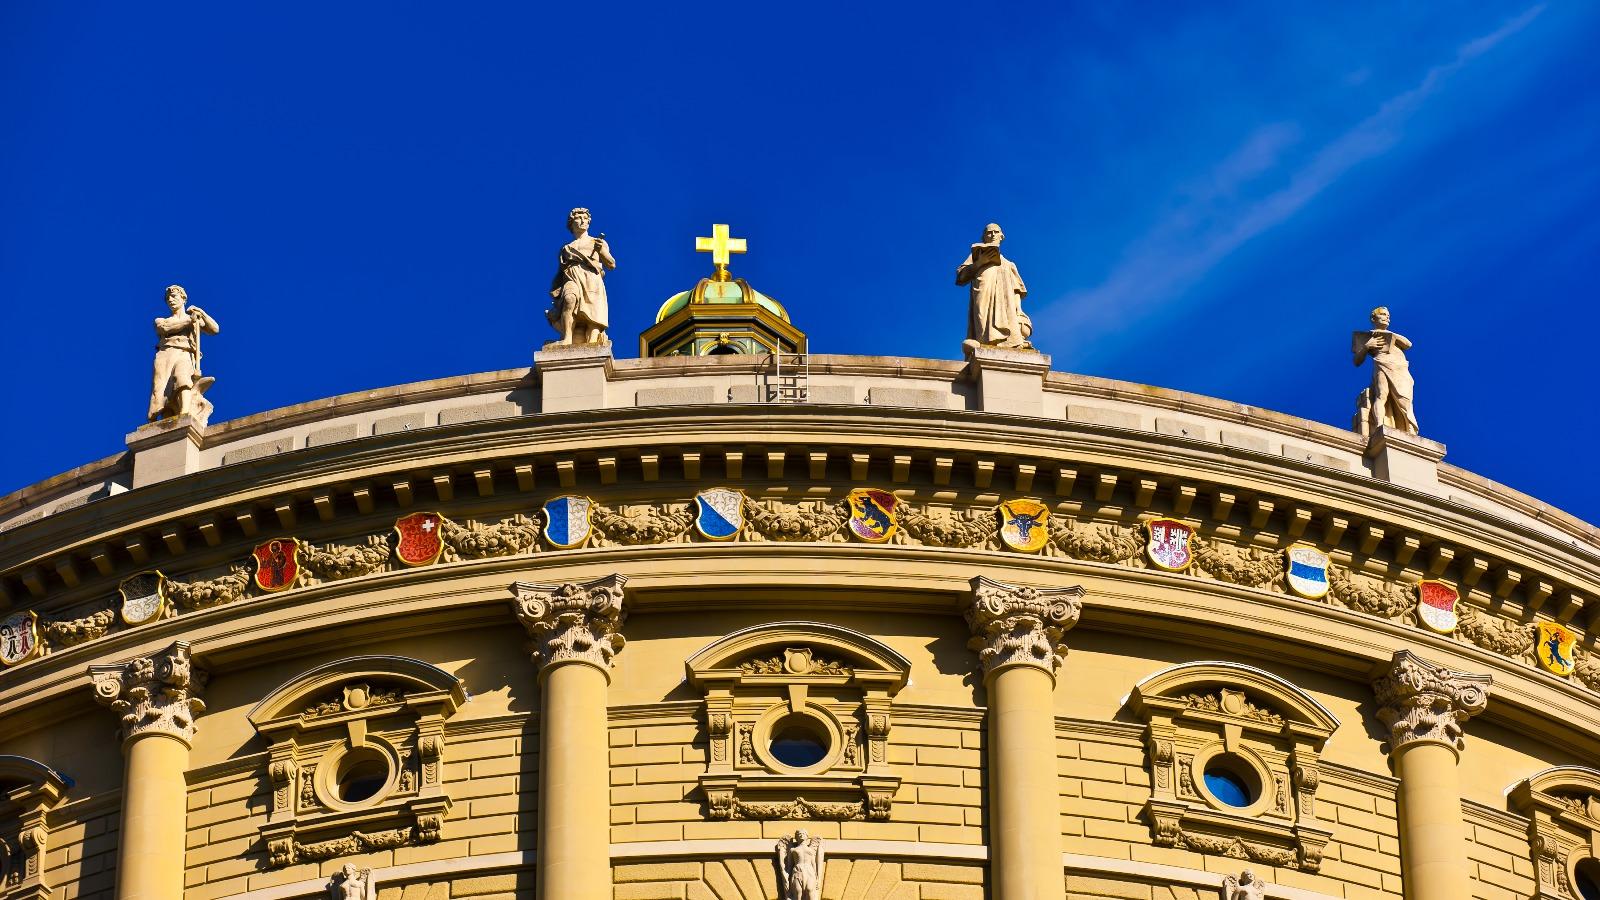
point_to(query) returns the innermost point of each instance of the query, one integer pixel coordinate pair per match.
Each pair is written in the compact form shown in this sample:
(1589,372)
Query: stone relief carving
(800,808)
(354,842)
(811,520)
(1095,542)
(1012,624)
(1421,701)
(1220,703)
(1247,886)
(1369,595)
(516,535)
(800,867)
(68,632)
(1494,634)
(157,693)
(196,595)
(572,621)
(938,528)
(353,884)
(336,561)
(1247,566)
(797,661)
(1237,848)
(641,524)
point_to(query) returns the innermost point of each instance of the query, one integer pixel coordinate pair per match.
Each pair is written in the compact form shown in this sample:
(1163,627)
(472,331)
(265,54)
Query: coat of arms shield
(419,538)
(719,513)
(1307,572)
(1436,606)
(1170,544)
(874,517)
(277,564)
(566,522)
(144,597)
(1024,525)
(19,637)
(1557,648)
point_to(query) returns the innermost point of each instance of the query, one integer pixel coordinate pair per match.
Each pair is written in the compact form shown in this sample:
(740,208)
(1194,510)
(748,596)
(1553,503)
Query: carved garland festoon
(1420,701)
(1014,625)
(384,712)
(1206,713)
(837,684)
(30,790)
(1562,806)
(156,694)
(572,622)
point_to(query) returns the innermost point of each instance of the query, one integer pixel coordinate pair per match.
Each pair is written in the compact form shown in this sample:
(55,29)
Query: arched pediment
(421,683)
(1198,678)
(23,779)
(799,649)
(1563,780)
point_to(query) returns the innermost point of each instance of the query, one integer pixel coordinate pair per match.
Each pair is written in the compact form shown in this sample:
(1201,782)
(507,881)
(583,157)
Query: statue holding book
(995,318)
(1388,401)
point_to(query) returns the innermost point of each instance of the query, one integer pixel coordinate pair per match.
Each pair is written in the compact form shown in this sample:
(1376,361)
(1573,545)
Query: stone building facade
(615,627)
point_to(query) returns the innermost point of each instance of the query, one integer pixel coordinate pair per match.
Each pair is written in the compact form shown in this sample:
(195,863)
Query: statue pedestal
(1009,381)
(1405,459)
(573,378)
(166,449)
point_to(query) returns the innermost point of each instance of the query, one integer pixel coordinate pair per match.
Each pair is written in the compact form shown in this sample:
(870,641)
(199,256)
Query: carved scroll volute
(156,694)
(1160,743)
(572,622)
(1018,625)
(720,728)
(877,707)
(1419,701)
(284,773)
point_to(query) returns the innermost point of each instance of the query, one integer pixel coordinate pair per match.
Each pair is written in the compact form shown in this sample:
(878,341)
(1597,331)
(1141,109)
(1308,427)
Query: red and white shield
(419,538)
(1436,606)
(1170,544)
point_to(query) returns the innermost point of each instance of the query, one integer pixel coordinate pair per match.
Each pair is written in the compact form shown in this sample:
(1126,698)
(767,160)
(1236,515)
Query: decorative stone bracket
(1421,701)
(156,694)
(356,758)
(829,689)
(1254,725)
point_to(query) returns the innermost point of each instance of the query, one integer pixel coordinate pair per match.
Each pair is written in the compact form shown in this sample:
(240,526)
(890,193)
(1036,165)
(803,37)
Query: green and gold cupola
(721,314)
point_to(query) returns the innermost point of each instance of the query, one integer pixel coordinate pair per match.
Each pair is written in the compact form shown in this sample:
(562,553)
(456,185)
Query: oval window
(798,742)
(1232,781)
(1587,875)
(362,776)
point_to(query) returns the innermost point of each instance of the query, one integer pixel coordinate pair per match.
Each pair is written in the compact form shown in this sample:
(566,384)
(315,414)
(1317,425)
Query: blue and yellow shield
(566,522)
(874,515)
(719,513)
(1558,646)
(1024,525)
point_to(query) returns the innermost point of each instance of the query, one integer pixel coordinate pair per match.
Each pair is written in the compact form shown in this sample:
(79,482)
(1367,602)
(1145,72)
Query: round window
(798,742)
(1587,875)
(1232,781)
(362,774)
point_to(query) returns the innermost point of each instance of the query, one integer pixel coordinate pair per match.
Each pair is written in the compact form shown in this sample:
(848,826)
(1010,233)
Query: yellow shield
(1557,648)
(1024,525)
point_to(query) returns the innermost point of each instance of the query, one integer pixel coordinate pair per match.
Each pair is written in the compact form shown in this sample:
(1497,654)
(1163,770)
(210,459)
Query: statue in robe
(579,313)
(1246,887)
(353,884)
(995,317)
(1388,400)
(177,388)
(799,867)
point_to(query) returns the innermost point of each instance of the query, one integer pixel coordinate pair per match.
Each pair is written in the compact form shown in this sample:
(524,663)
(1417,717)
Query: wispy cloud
(1213,220)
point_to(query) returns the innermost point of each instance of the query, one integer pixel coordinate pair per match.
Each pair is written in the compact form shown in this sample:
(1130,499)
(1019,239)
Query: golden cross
(719,245)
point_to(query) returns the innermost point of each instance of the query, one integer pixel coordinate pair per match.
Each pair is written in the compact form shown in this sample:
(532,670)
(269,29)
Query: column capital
(1423,701)
(1018,625)
(155,694)
(572,622)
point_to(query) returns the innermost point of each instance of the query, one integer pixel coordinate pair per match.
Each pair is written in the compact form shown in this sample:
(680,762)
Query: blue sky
(1201,196)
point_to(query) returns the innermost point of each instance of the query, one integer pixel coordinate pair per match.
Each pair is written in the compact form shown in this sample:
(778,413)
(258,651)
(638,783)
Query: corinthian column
(1019,633)
(1424,706)
(157,697)
(574,634)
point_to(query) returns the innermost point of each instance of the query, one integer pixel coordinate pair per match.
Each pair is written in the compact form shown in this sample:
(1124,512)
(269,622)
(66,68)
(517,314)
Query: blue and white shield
(719,513)
(566,521)
(1308,571)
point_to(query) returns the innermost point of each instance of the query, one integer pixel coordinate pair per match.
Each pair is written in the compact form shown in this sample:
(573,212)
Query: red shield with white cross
(418,538)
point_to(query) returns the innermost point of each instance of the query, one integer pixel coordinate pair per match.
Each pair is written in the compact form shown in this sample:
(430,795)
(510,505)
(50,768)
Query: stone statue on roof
(995,317)
(579,312)
(177,388)
(1388,401)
